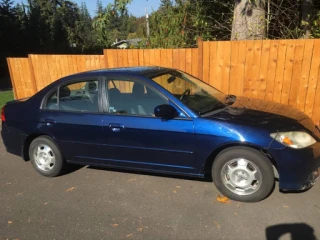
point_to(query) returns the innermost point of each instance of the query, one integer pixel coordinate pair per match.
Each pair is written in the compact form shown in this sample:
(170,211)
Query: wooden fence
(284,71)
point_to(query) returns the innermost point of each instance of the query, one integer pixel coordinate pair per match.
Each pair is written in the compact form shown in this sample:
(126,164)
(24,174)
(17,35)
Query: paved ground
(91,203)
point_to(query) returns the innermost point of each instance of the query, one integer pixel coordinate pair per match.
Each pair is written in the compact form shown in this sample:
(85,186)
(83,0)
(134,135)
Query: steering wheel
(185,93)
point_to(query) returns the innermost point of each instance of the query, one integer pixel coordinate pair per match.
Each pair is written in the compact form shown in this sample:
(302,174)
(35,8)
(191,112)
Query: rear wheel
(46,157)
(243,174)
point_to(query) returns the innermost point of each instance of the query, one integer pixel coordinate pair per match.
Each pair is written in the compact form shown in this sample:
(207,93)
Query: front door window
(131,97)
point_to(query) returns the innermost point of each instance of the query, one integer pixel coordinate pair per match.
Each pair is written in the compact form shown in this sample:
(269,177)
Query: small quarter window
(52,102)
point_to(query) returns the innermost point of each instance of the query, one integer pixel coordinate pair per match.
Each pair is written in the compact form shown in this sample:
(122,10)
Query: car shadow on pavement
(296,231)
(71,168)
(205,179)
(296,191)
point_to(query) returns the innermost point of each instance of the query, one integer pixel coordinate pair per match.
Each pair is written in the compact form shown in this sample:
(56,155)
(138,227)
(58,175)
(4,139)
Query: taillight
(3,117)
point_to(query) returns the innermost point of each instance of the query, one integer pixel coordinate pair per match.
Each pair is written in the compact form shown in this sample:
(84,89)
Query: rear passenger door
(71,114)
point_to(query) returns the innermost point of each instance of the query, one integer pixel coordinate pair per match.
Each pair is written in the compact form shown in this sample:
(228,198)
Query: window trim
(77,80)
(105,97)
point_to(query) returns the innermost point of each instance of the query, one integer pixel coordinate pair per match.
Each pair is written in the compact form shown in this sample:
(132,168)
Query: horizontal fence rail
(283,71)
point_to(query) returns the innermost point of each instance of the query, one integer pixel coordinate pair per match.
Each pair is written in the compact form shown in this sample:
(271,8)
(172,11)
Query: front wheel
(46,157)
(243,174)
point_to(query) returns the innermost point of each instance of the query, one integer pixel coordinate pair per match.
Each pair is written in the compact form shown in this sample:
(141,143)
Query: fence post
(200,58)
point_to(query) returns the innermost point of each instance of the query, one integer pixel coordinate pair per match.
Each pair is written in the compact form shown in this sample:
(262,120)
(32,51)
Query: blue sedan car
(165,121)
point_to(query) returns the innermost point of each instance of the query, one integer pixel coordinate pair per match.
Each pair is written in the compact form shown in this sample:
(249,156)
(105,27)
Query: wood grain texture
(255,84)
(264,65)
(272,68)
(157,57)
(226,67)
(206,62)
(248,82)
(314,80)
(282,50)
(195,67)
(217,66)
(305,73)
(188,60)
(288,71)
(182,60)
(175,58)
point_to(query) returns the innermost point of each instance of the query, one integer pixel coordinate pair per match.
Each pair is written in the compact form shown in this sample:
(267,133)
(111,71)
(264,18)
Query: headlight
(294,139)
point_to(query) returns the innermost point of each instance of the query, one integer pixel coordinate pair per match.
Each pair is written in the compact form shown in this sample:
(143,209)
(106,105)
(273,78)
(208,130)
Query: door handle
(49,121)
(115,127)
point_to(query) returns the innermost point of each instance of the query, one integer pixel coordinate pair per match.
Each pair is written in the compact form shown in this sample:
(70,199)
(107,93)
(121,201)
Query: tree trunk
(249,20)
(307,11)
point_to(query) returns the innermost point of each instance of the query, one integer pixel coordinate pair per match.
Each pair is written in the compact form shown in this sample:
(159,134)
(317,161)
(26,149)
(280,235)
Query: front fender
(213,136)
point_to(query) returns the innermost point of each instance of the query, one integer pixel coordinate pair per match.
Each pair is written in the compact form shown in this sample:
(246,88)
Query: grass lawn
(5,96)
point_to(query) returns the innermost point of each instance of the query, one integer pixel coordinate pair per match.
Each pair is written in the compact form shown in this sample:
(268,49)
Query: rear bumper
(298,168)
(12,140)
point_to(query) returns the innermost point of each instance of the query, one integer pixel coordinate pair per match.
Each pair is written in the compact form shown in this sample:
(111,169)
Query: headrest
(64,92)
(114,92)
(138,89)
(93,87)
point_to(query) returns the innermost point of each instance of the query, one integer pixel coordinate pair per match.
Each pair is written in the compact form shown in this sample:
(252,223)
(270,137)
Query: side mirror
(165,111)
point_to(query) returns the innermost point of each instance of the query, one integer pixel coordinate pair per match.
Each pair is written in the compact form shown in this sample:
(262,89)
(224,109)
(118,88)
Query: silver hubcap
(44,157)
(241,176)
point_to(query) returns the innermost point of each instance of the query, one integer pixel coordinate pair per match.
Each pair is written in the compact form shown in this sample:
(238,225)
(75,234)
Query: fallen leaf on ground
(174,191)
(132,179)
(115,225)
(178,187)
(70,189)
(223,199)
(10,222)
(285,206)
(129,235)
(140,229)
(217,224)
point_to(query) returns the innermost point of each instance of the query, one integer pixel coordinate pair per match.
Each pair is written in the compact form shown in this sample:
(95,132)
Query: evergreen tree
(84,32)
(100,9)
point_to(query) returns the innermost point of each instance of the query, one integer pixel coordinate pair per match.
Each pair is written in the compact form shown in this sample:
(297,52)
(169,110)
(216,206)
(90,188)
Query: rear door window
(79,96)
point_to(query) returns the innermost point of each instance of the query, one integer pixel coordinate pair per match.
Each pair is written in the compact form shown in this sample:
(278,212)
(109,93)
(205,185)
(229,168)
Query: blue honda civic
(164,120)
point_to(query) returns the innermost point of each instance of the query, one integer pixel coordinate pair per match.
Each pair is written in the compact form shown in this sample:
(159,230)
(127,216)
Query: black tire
(251,156)
(59,163)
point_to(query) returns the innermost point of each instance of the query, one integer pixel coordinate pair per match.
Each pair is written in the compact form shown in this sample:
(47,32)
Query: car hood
(266,114)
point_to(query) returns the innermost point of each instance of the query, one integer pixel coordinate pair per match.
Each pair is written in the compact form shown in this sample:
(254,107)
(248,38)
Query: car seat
(138,99)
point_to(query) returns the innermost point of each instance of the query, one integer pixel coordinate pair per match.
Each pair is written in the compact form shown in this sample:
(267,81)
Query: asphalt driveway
(92,203)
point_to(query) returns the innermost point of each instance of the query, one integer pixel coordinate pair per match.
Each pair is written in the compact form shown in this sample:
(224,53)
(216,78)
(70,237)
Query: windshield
(197,95)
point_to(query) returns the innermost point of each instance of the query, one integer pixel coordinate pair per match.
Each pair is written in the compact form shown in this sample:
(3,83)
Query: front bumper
(298,168)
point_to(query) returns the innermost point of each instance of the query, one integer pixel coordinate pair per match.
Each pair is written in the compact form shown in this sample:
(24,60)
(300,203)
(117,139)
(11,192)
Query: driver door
(135,138)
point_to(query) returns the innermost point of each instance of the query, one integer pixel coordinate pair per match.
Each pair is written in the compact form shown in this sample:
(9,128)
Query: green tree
(112,23)
(100,9)
(307,14)
(84,35)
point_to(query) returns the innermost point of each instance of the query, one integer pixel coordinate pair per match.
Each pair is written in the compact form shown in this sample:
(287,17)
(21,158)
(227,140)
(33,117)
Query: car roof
(146,71)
